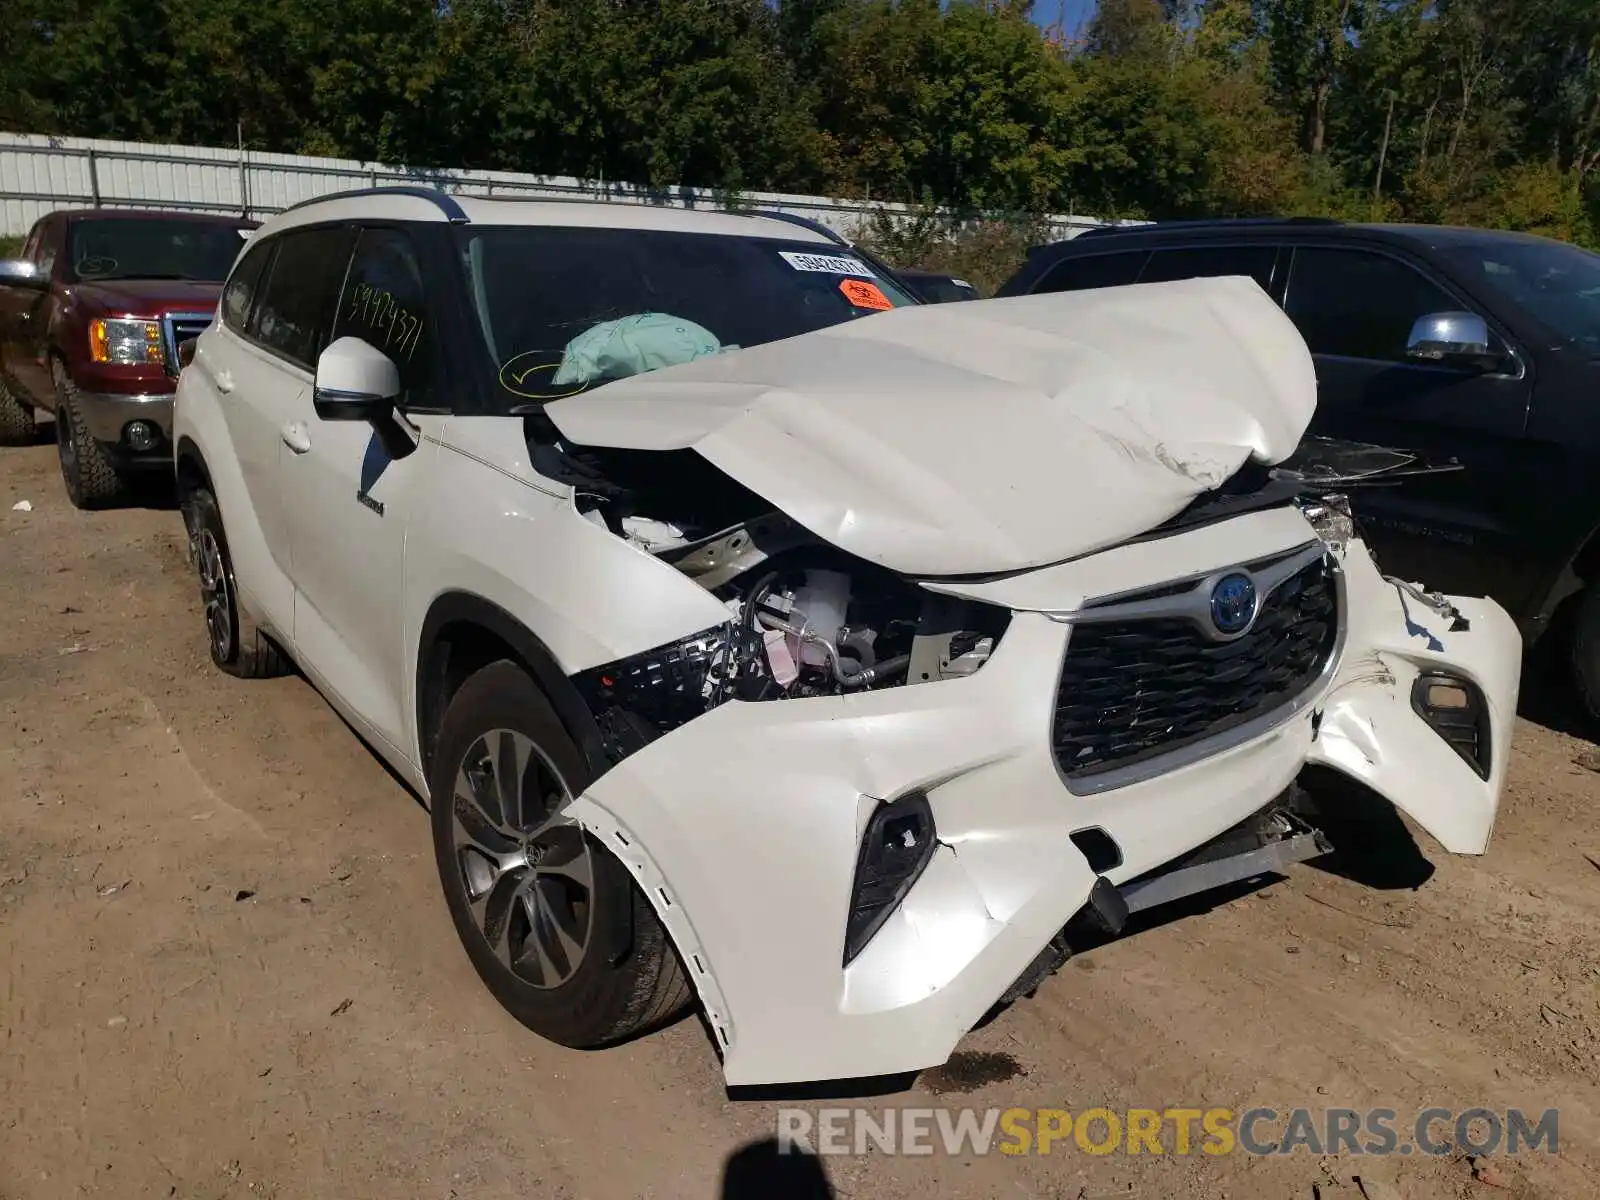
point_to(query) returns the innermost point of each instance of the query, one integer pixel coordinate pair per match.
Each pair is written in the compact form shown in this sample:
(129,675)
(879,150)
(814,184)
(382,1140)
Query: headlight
(126,342)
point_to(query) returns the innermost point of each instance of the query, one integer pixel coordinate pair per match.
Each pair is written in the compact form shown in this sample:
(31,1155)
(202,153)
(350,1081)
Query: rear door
(276,311)
(1355,307)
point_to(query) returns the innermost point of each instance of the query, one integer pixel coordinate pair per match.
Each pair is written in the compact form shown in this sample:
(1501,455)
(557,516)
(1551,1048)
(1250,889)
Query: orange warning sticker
(862,294)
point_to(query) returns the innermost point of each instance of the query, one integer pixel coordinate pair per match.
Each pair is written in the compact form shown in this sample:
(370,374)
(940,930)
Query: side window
(1198,262)
(1359,304)
(383,304)
(1093,271)
(30,248)
(297,301)
(242,286)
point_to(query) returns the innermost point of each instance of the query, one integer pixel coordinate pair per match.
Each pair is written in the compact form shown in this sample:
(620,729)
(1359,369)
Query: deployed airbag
(989,436)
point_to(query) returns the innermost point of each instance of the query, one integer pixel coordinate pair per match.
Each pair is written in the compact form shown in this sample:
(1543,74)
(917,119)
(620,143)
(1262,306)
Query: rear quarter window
(1209,262)
(1079,272)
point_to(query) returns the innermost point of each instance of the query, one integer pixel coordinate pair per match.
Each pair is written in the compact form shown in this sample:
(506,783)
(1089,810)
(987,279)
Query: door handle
(223,380)
(297,437)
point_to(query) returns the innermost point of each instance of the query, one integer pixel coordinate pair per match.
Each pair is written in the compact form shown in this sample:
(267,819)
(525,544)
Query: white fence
(39,174)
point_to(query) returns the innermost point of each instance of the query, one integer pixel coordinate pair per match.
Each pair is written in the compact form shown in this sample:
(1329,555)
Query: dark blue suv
(1468,344)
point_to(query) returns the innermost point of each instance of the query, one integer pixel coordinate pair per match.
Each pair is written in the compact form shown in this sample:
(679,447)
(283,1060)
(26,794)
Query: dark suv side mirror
(19,272)
(1453,339)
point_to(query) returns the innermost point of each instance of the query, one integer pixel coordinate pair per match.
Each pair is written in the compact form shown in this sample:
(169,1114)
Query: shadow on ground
(764,1170)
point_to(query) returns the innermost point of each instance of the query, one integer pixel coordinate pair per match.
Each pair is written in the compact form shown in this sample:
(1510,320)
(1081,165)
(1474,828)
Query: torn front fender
(1370,729)
(743,830)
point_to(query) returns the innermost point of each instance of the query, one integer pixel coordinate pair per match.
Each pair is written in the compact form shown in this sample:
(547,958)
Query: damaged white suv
(759,635)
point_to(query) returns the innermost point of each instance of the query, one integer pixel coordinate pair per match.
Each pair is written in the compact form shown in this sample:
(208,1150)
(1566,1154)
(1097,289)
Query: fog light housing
(1455,709)
(895,847)
(141,435)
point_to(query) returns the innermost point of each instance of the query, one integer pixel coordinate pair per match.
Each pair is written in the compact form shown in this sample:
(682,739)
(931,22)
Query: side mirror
(355,382)
(186,352)
(1452,339)
(19,272)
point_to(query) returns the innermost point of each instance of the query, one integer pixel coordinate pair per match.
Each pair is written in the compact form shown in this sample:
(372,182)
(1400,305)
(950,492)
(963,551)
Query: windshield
(161,248)
(1559,284)
(566,309)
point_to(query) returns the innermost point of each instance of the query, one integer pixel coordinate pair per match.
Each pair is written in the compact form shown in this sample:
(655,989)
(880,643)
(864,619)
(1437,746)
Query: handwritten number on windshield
(377,310)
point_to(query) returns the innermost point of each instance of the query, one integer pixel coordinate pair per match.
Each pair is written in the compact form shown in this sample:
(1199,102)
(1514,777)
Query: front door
(1455,531)
(25,317)
(353,499)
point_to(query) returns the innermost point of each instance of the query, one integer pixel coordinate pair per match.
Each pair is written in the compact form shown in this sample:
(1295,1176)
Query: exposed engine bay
(804,618)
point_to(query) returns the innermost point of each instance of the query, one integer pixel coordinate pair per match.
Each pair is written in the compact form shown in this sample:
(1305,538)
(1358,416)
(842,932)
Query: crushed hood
(989,436)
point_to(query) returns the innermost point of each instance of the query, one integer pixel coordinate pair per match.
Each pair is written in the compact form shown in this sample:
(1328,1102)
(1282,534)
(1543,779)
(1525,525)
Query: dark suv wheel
(92,481)
(553,924)
(16,417)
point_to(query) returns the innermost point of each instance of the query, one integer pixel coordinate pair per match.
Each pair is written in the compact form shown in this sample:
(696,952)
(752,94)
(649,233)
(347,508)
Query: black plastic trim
(1473,719)
(1099,848)
(859,933)
(452,608)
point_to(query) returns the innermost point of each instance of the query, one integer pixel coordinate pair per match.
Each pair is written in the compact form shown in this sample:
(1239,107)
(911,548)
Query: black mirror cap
(332,405)
(186,350)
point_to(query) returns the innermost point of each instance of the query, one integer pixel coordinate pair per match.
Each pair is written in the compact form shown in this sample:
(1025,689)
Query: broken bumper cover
(1371,727)
(743,826)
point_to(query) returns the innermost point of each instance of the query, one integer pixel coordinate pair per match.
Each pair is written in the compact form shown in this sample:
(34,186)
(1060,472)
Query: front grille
(179,329)
(1141,687)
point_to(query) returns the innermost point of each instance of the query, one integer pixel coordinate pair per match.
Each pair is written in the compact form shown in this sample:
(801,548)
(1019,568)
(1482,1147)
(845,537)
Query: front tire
(553,924)
(92,482)
(1584,650)
(237,645)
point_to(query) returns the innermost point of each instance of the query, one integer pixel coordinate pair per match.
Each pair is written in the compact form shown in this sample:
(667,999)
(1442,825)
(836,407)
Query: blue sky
(1073,13)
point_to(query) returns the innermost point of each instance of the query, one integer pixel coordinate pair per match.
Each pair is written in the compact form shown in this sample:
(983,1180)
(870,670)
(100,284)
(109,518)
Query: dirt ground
(229,973)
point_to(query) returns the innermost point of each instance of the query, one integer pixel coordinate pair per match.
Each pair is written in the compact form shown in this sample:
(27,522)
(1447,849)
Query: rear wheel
(237,645)
(92,482)
(553,924)
(17,426)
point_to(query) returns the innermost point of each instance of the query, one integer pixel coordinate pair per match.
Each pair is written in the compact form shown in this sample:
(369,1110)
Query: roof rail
(795,219)
(443,201)
(1205,223)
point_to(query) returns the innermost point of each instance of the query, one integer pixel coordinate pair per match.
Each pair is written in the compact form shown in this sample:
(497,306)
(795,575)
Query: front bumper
(108,415)
(743,826)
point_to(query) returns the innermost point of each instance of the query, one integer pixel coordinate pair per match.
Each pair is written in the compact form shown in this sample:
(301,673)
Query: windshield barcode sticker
(831,264)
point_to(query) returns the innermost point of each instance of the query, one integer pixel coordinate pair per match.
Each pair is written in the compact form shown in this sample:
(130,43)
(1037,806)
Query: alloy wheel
(526,867)
(214,594)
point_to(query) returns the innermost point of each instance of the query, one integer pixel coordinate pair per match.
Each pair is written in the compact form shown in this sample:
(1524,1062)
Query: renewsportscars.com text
(1177,1131)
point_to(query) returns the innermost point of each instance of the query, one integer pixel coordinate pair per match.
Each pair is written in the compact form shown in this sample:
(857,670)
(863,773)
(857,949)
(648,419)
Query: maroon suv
(91,318)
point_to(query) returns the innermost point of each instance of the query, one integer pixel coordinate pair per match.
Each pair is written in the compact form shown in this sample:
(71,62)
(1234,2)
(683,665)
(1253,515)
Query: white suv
(760,635)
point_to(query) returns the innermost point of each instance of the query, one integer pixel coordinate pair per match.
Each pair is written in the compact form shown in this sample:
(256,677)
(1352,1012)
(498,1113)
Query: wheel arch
(462,633)
(1561,589)
(191,468)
